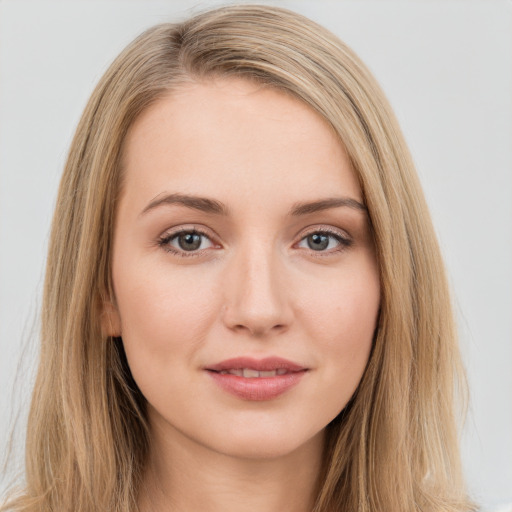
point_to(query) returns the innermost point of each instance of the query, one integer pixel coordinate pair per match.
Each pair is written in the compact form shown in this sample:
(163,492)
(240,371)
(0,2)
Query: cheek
(347,303)
(165,321)
(163,313)
(343,319)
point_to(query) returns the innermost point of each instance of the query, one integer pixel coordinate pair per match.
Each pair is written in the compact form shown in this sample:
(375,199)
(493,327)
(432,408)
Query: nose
(256,293)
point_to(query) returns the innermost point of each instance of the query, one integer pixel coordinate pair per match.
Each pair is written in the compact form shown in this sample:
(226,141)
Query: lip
(257,388)
(261,365)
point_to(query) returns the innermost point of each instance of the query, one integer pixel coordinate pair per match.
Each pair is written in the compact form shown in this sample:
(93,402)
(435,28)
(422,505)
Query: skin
(254,287)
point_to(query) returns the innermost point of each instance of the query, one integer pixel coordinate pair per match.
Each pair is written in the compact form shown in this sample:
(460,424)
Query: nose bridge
(256,298)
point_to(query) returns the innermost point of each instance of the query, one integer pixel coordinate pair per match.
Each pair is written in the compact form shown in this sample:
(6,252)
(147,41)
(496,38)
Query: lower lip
(257,388)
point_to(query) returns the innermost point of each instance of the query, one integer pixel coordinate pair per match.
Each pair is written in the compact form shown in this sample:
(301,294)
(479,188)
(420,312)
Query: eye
(186,242)
(325,241)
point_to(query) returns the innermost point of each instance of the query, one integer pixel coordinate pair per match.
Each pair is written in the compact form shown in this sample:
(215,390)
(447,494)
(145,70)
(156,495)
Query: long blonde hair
(394,447)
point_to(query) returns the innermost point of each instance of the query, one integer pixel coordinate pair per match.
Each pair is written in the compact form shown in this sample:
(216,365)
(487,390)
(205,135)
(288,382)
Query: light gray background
(446,67)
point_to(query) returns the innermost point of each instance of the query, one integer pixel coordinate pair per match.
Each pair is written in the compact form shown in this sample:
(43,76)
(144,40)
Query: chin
(263,442)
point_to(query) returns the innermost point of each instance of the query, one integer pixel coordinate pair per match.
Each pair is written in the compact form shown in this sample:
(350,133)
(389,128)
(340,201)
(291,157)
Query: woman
(245,306)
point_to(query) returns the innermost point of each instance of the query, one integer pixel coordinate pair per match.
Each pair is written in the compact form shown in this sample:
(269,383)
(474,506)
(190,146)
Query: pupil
(319,242)
(189,241)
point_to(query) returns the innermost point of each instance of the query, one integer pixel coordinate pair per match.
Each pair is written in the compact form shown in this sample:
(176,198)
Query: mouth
(250,373)
(252,368)
(256,380)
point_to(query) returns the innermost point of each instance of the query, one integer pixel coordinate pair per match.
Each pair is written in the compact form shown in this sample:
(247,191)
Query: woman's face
(244,272)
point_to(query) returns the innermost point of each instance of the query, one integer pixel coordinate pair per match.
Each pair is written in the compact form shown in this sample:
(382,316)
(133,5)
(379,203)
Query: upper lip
(261,365)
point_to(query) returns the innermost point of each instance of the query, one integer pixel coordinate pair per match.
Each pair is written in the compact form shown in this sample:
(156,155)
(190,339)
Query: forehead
(223,136)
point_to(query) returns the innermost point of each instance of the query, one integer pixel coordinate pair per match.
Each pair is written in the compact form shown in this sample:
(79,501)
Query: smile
(256,379)
(249,373)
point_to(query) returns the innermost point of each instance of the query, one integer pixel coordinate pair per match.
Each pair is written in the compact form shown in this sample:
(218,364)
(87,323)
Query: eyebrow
(213,206)
(326,204)
(202,204)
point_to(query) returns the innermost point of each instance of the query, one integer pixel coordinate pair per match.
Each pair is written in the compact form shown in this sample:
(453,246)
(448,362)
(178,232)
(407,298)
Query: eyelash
(167,237)
(163,242)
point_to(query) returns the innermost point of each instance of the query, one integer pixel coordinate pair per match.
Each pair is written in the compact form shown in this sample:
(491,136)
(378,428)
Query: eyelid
(343,238)
(326,229)
(168,235)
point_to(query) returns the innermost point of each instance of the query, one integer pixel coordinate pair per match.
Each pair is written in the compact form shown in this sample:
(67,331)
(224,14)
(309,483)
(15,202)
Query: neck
(183,475)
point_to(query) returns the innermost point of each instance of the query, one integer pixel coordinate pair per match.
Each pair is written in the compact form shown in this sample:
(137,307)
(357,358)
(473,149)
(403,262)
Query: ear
(110,320)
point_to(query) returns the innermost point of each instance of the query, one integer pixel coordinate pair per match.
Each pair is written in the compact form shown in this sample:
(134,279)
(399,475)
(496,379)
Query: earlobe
(110,320)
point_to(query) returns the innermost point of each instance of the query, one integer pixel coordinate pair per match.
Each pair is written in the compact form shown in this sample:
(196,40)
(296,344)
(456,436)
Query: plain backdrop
(446,67)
